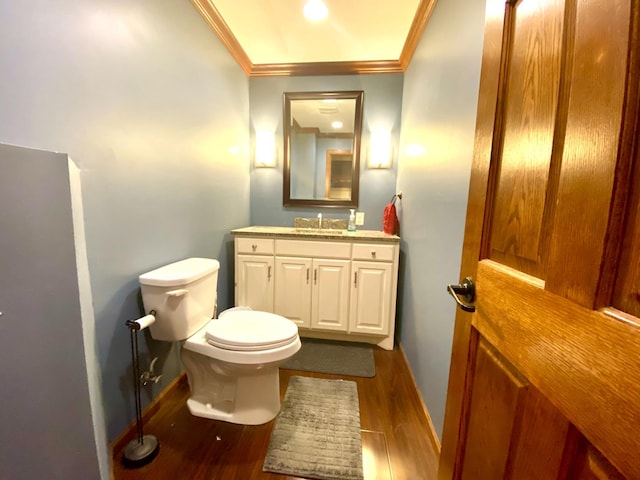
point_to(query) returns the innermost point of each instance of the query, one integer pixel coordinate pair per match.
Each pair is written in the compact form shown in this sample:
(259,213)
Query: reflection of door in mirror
(338,177)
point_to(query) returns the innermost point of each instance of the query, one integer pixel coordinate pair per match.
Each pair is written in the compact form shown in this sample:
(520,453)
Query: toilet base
(250,397)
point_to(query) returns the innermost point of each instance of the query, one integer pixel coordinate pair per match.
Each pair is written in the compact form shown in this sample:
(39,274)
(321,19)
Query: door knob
(466,290)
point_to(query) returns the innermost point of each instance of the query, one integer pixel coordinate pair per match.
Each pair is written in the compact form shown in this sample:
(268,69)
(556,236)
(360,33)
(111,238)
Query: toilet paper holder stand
(144,448)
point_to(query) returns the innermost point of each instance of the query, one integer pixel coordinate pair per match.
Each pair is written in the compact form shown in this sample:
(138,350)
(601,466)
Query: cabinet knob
(373,254)
(254,247)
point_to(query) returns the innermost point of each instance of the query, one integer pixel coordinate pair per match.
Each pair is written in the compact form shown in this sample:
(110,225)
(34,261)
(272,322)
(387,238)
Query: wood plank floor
(396,437)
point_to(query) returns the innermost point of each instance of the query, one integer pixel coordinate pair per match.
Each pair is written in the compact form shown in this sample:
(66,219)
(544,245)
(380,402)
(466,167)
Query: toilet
(232,361)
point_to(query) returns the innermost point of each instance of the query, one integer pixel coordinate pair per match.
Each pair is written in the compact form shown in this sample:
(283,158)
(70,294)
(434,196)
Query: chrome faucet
(319,220)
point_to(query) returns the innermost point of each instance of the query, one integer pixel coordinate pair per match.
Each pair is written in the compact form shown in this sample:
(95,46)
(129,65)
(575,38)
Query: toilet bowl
(231,362)
(232,366)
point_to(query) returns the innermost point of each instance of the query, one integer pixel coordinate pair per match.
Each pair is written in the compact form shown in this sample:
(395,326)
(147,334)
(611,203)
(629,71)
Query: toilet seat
(250,331)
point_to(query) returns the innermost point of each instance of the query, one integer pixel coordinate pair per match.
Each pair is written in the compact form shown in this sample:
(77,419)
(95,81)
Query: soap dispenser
(352,220)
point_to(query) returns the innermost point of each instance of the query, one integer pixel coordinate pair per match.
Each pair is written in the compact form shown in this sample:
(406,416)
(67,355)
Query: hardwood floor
(396,438)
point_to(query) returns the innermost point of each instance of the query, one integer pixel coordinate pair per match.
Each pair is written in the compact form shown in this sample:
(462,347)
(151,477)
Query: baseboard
(435,441)
(130,432)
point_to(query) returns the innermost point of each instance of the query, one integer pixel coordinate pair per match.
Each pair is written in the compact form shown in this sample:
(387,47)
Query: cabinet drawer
(313,249)
(254,245)
(364,251)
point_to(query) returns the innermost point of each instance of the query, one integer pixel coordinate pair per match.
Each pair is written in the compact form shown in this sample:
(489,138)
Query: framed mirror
(322,132)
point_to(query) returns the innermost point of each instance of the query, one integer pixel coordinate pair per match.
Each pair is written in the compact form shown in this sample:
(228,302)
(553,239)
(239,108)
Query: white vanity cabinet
(340,287)
(312,288)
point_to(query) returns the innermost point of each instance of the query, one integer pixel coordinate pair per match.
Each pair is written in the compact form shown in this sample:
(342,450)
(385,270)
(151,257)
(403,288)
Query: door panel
(370,294)
(330,299)
(530,116)
(627,285)
(254,276)
(545,375)
(293,289)
(592,145)
(497,391)
(538,444)
(589,464)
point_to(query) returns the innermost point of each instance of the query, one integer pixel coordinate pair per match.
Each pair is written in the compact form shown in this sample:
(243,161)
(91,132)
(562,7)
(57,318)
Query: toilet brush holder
(144,448)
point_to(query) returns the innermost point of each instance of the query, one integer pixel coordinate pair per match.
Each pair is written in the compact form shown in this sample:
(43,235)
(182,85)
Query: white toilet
(231,362)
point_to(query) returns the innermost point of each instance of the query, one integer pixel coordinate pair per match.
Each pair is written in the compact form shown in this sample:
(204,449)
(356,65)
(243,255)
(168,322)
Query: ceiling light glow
(315,10)
(336,124)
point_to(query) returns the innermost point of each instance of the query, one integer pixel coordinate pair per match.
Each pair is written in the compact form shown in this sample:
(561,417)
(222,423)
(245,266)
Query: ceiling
(272,37)
(320,114)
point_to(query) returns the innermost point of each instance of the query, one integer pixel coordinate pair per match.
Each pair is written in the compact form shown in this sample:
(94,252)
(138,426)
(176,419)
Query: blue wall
(438,124)
(382,110)
(155,112)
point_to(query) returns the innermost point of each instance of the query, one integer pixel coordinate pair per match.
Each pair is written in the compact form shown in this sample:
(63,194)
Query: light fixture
(380,149)
(265,149)
(336,124)
(315,10)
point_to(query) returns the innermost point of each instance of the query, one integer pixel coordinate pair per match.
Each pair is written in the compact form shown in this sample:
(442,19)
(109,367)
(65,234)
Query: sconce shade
(380,149)
(265,149)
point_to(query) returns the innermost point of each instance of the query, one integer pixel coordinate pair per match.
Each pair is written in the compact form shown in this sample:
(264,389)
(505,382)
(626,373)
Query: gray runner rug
(317,432)
(328,356)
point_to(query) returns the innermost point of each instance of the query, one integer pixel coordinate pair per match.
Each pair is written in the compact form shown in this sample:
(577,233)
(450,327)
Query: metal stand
(144,448)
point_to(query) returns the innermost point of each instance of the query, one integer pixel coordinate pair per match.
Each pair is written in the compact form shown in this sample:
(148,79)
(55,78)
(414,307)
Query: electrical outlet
(359,218)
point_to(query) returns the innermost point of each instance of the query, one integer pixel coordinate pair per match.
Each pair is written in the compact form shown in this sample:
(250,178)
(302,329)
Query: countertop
(292,232)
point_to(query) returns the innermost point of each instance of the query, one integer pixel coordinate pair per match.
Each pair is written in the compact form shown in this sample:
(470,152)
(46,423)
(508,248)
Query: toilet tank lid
(179,273)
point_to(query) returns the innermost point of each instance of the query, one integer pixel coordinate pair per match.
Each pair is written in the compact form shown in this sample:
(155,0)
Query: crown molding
(213,18)
(325,68)
(221,29)
(423,14)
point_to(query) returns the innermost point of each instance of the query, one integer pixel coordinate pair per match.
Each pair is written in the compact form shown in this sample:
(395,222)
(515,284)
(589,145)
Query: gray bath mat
(317,432)
(328,356)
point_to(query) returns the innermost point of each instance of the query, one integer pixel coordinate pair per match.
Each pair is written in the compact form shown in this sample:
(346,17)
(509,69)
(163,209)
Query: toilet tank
(183,295)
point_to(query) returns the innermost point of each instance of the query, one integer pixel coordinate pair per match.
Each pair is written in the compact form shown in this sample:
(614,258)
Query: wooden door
(545,375)
(293,289)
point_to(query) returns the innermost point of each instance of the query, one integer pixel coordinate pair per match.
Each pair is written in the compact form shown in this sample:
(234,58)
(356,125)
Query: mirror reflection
(322,133)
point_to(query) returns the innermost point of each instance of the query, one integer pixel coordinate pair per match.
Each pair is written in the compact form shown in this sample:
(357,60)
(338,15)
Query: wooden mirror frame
(288,97)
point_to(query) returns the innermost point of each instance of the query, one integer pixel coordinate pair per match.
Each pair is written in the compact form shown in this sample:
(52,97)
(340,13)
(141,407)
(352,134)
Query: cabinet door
(293,289)
(330,295)
(370,297)
(254,282)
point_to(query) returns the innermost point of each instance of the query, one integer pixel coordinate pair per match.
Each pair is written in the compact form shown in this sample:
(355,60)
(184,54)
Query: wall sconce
(380,149)
(265,149)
